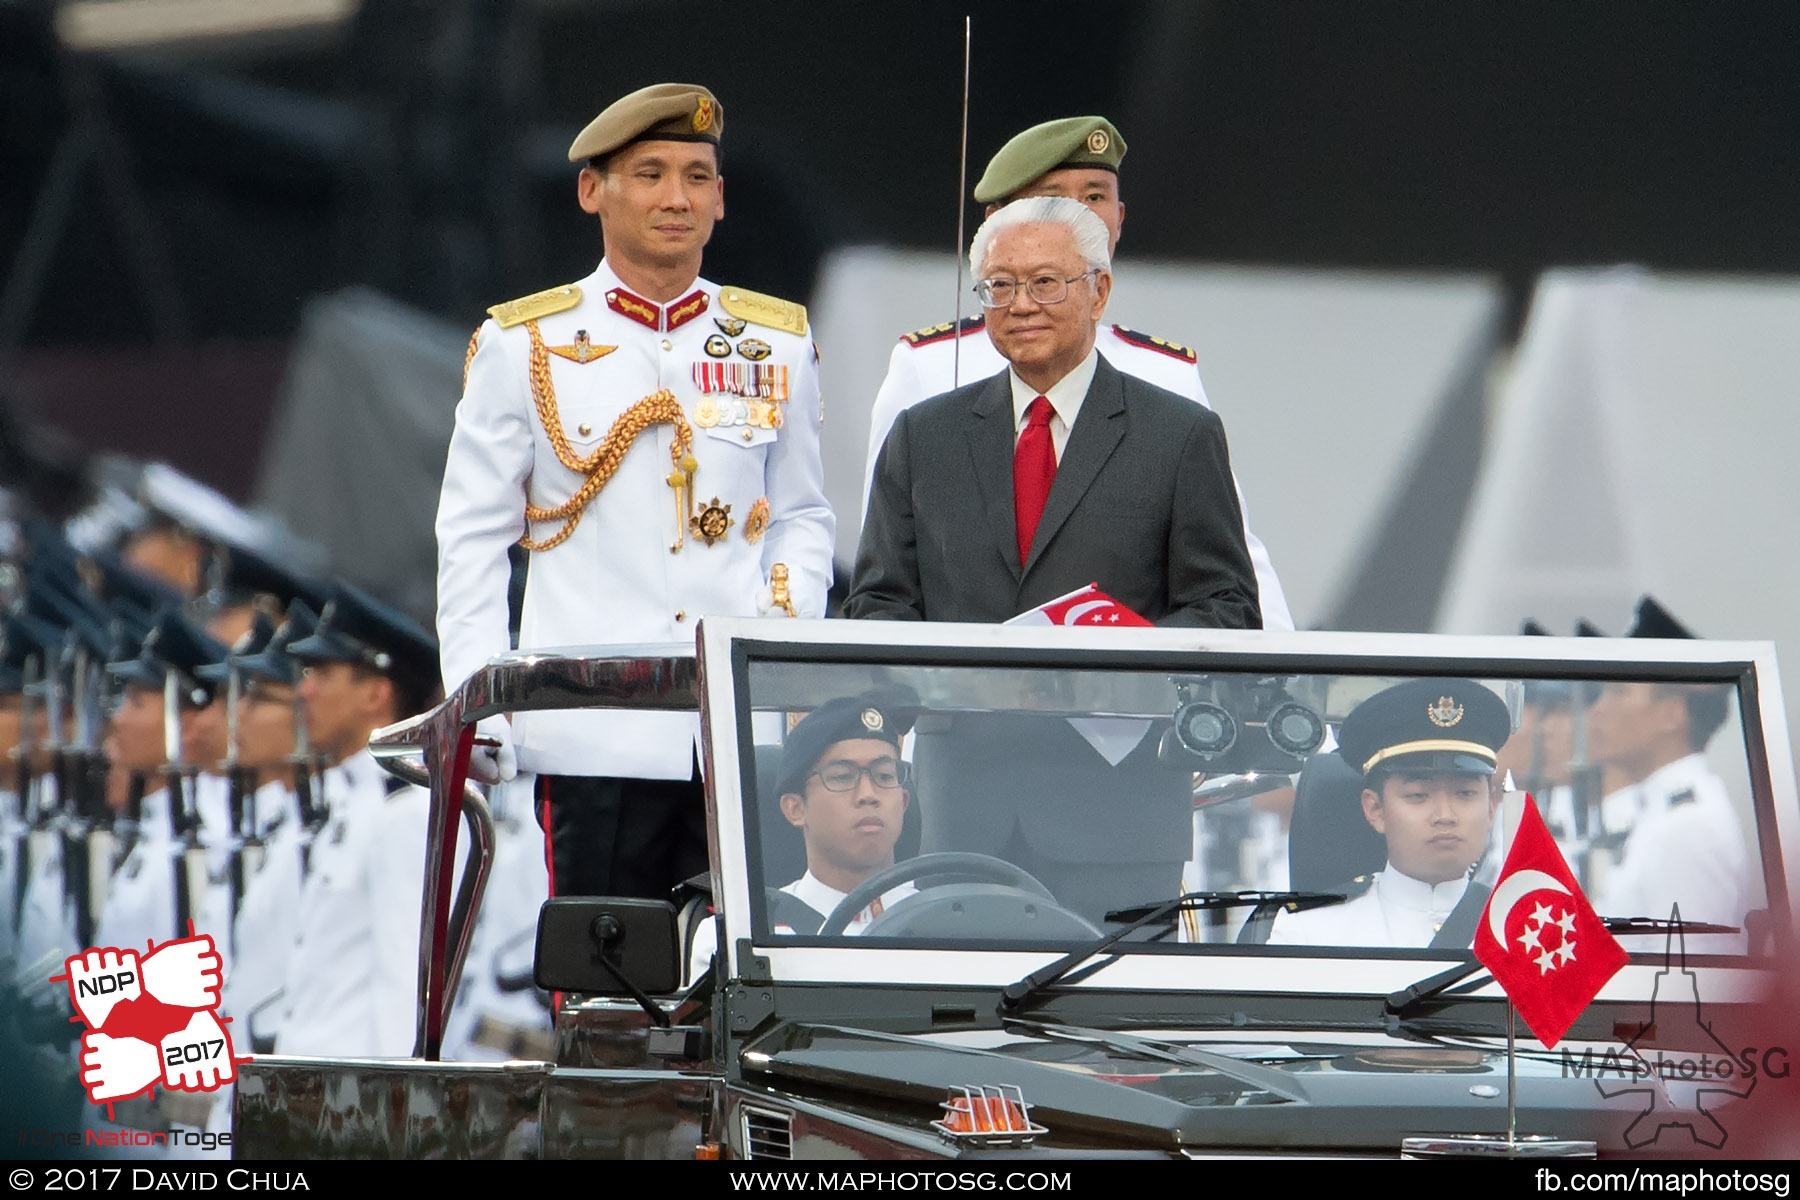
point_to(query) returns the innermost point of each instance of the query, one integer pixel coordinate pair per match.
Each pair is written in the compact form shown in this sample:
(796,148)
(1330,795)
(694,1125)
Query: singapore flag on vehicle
(1083,606)
(1541,938)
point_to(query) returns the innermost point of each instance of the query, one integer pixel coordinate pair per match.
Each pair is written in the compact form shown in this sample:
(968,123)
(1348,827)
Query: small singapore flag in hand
(1084,606)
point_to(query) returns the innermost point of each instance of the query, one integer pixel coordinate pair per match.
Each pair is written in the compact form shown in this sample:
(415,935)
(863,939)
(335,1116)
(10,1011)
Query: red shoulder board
(937,333)
(1160,345)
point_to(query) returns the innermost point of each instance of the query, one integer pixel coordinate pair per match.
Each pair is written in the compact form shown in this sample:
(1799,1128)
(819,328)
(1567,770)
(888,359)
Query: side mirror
(607,946)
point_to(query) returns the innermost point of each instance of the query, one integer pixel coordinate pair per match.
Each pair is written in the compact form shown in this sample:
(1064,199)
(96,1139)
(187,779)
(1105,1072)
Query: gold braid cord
(469,357)
(660,408)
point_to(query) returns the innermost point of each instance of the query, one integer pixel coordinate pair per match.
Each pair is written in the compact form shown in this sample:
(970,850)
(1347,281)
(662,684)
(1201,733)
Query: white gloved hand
(497,763)
(765,603)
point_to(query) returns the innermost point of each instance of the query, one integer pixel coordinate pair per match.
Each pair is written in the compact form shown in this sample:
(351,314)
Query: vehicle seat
(1330,842)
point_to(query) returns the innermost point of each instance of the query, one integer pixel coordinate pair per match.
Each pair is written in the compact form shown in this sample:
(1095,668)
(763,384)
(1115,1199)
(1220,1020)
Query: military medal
(757,523)
(729,326)
(754,349)
(706,413)
(711,522)
(581,350)
(718,347)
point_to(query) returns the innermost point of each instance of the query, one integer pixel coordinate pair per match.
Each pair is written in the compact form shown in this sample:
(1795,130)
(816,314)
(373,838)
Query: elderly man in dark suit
(1002,495)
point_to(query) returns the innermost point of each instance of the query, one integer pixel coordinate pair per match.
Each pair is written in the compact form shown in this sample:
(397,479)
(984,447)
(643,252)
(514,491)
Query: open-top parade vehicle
(1042,992)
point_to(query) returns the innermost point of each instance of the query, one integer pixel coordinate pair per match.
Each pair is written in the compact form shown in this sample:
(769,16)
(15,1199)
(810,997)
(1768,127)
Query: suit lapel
(1099,428)
(991,454)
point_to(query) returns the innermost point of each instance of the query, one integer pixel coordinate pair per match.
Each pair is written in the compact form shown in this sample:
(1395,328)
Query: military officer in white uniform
(1683,843)
(351,988)
(1078,158)
(1427,749)
(652,438)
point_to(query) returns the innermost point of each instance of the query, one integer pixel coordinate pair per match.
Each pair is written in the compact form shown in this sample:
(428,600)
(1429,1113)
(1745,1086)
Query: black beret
(1454,726)
(884,716)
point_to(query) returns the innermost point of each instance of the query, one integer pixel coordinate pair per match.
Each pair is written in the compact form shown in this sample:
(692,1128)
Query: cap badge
(871,719)
(1097,141)
(703,114)
(711,522)
(1445,713)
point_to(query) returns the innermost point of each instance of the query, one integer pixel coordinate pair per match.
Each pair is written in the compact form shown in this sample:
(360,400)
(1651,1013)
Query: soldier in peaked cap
(1427,750)
(1077,158)
(652,439)
(351,983)
(1666,815)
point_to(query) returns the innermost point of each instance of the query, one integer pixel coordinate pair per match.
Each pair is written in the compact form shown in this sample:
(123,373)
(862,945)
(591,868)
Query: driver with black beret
(843,786)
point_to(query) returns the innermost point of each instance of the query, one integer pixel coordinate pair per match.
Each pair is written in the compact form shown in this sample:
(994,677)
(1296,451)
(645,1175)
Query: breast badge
(729,326)
(712,522)
(754,349)
(757,523)
(718,347)
(581,350)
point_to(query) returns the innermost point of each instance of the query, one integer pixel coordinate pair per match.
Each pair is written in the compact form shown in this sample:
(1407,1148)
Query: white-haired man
(1057,472)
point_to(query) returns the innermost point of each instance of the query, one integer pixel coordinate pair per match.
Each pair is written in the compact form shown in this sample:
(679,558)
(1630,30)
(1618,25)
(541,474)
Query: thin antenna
(962,190)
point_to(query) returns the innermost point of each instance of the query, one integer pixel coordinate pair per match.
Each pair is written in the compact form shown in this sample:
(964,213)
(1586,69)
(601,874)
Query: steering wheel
(982,867)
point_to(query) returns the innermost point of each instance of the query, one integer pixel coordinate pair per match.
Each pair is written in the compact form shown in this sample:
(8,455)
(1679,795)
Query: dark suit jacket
(1143,505)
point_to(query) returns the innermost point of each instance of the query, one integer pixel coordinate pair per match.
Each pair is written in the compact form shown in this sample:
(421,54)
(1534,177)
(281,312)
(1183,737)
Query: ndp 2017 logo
(150,1019)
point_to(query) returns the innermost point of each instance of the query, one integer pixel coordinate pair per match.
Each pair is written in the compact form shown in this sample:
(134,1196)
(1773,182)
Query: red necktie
(1034,468)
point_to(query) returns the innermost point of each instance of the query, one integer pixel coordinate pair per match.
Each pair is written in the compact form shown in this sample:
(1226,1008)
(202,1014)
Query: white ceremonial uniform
(487,1021)
(821,897)
(46,917)
(1685,846)
(938,363)
(12,854)
(615,580)
(267,919)
(1397,912)
(352,979)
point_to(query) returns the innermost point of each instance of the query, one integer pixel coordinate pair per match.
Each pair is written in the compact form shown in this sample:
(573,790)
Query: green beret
(1070,142)
(676,112)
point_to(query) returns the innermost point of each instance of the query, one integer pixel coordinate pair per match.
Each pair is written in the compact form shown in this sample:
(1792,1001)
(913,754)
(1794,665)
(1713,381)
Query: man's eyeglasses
(842,776)
(1044,289)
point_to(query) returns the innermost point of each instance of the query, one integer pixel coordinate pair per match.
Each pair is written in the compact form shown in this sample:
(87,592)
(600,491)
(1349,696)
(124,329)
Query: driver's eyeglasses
(1044,289)
(843,776)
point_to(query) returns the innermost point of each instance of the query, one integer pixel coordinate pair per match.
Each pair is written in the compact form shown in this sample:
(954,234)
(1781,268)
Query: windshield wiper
(1014,995)
(1407,998)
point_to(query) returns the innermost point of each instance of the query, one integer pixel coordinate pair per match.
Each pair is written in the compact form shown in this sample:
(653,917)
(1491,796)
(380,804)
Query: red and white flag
(1541,938)
(1083,606)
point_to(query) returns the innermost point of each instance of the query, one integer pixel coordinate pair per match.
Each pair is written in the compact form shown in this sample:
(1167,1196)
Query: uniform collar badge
(581,350)
(686,309)
(635,307)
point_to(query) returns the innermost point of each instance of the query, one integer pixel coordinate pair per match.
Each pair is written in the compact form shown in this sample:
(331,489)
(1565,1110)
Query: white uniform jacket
(931,362)
(1397,912)
(268,917)
(1685,846)
(353,973)
(632,571)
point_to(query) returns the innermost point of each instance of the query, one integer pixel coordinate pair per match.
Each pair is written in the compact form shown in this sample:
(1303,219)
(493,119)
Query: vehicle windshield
(988,805)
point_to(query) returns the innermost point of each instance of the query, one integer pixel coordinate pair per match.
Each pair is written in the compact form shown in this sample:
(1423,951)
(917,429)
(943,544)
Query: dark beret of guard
(1454,726)
(881,715)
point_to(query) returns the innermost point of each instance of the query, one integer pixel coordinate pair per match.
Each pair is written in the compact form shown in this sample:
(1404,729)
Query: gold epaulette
(538,304)
(1160,345)
(759,309)
(937,333)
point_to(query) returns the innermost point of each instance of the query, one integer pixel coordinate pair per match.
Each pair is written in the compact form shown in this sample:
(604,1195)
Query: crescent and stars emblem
(1545,917)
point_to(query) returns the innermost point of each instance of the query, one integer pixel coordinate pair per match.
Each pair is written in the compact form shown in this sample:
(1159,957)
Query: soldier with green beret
(1077,158)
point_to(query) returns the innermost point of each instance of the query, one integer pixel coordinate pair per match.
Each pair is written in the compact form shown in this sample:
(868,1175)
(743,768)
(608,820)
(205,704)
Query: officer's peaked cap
(1448,726)
(355,627)
(174,648)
